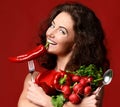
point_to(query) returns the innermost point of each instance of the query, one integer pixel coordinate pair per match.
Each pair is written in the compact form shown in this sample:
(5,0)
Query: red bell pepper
(32,54)
(49,90)
(44,81)
(60,79)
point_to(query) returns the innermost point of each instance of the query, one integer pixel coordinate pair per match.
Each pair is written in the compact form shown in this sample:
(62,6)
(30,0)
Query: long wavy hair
(89,38)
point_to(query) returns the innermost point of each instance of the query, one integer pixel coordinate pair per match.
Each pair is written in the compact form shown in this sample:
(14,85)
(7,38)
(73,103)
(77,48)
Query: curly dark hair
(89,38)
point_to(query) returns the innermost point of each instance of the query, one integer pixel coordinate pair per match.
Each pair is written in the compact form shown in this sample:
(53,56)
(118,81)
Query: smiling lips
(51,42)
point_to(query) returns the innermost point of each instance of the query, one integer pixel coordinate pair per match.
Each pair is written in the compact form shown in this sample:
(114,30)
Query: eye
(52,26)
(63,31)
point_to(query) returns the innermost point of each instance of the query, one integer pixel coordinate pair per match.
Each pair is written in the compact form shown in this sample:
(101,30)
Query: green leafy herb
(58,100)
(91,70)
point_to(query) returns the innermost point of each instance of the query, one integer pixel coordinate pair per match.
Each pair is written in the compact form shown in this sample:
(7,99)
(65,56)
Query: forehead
(64,19)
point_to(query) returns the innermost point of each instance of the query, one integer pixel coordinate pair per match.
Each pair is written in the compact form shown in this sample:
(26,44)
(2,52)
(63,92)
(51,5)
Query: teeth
(51,42)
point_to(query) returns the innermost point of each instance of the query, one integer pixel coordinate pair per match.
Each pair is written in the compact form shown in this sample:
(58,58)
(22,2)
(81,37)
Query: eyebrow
(60,26)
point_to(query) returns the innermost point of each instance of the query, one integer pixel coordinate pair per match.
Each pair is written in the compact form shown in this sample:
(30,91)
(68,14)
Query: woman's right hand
(37,95)
(23,101)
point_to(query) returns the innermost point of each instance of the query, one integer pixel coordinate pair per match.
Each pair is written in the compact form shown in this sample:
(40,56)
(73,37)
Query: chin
(51,51)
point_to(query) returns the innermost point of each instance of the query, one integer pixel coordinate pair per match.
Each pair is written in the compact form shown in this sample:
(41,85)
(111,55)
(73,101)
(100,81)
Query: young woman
(75,38)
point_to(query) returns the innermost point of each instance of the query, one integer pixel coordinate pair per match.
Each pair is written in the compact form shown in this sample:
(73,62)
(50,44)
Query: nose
(51,33)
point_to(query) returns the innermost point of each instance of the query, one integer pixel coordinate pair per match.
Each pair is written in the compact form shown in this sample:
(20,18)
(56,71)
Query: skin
(60,35)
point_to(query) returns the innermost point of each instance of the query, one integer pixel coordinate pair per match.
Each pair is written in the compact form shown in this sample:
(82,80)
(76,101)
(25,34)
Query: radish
(87,90)
(90,79)
(76,78)
(78,88)
(83,81)
(66,90)
(74,98)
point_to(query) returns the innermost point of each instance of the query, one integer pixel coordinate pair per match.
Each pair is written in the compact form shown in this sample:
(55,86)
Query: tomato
(74,98)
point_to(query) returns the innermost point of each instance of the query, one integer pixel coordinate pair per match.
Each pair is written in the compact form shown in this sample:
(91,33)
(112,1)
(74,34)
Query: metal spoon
(107,78)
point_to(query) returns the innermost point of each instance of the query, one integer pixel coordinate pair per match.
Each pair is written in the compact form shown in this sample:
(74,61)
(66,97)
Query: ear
(73,47)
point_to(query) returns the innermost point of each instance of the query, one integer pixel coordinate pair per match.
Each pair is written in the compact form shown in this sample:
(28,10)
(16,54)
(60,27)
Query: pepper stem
(62,80)
(46,45)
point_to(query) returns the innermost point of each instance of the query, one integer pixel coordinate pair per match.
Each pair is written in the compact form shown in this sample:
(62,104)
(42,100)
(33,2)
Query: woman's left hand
(94,100)
(36,95)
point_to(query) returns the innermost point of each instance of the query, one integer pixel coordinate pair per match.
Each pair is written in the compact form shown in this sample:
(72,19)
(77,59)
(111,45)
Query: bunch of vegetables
(65,85)
(73,86)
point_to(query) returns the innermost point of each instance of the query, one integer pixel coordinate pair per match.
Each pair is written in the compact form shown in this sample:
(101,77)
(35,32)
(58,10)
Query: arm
(38,96)
(34,96)
(23,101)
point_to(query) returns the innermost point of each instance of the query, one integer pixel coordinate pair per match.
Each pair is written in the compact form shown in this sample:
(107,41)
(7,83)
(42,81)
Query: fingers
(96,91)
(92,101)
(34,88)
(29,95)
(95,100)
(32,84)
(97,94)
(32,91)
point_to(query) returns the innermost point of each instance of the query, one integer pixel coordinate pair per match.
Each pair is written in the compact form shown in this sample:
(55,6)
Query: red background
(19,24)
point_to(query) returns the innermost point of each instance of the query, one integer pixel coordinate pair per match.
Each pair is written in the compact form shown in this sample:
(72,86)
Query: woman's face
(60,35)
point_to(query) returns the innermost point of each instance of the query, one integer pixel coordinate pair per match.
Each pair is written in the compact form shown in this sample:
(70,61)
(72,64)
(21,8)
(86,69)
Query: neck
(62,61)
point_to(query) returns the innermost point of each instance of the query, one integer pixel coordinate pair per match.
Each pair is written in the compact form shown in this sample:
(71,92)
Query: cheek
(66,47)
(47,32)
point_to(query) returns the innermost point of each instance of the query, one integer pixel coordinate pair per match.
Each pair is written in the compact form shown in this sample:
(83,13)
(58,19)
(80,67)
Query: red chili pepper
(38,51)
(61,79)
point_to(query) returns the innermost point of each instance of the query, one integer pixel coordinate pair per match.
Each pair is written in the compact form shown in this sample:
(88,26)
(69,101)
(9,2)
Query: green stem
(46,45)
(62,80)
(99,79)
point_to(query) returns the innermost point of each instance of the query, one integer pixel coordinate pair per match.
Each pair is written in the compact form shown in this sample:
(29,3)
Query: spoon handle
(99,89)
